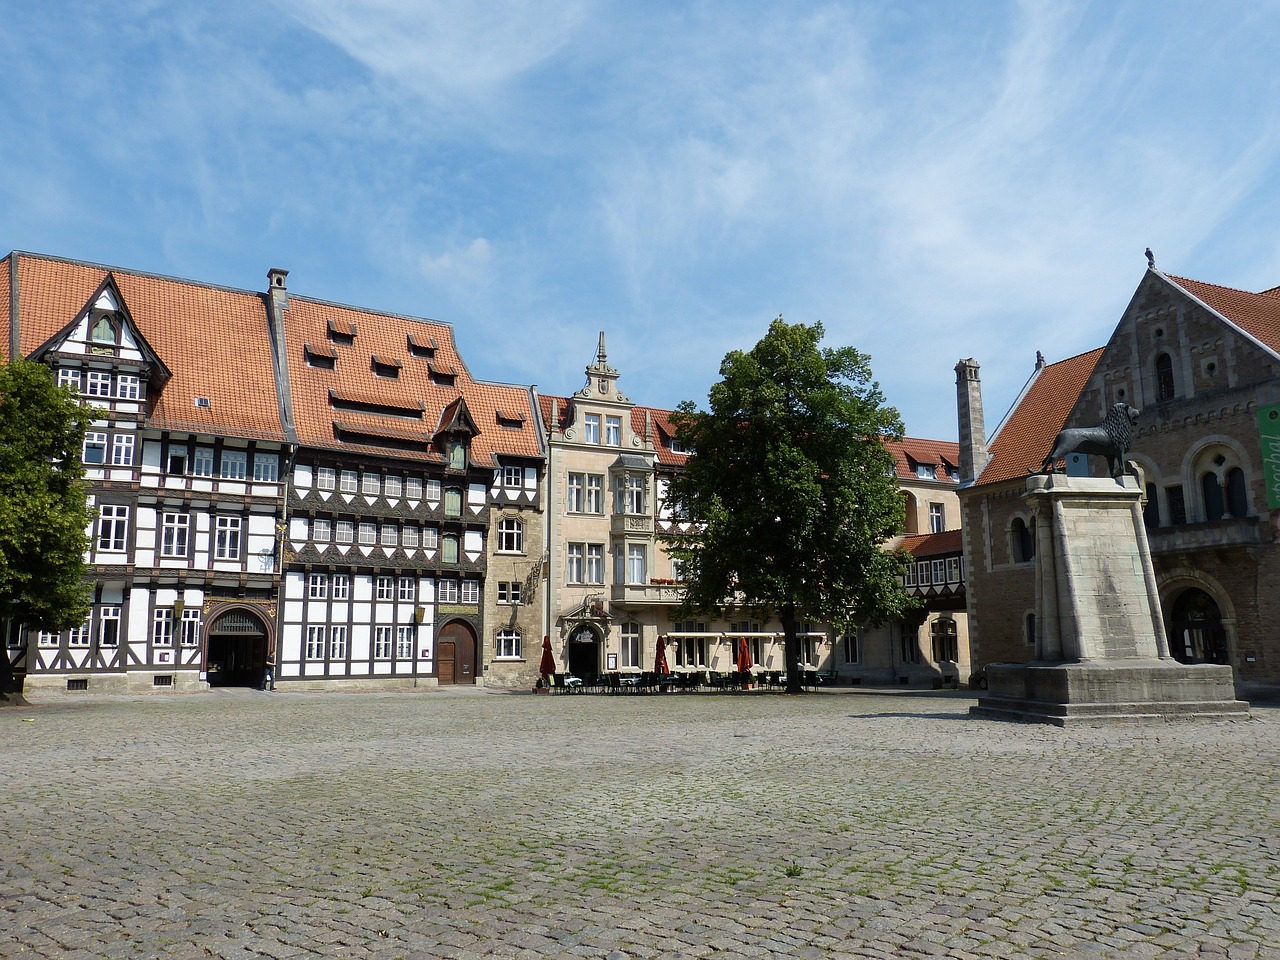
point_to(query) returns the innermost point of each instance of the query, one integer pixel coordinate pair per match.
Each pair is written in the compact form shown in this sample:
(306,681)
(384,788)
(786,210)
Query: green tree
(43,511)
(791,489)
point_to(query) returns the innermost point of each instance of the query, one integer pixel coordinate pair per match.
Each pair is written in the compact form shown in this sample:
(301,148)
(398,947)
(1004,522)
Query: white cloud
(465,266)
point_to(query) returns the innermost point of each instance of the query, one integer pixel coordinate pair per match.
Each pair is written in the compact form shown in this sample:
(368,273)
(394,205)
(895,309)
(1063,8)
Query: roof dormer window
(342,331)
(386,367)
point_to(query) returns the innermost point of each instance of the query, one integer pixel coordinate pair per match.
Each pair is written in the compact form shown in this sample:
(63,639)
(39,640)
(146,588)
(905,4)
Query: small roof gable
(943,455)
(1021,442)
(921,545)
(1257,314)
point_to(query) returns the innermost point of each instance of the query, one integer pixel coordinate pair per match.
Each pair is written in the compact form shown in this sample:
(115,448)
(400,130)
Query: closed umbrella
(660,661)
(548,666)
(744,660)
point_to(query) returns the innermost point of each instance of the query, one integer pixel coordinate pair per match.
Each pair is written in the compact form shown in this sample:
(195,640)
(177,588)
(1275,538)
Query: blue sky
(930,181)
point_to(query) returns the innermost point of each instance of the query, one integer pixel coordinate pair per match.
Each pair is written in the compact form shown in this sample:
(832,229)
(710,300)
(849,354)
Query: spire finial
(600,355)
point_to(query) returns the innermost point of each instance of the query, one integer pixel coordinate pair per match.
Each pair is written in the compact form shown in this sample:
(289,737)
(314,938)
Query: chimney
(973,432)
(279,292)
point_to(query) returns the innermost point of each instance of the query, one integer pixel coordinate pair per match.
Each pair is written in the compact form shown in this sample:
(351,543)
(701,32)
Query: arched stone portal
(236,645)
(583,653)
(1196,632)
(456,654)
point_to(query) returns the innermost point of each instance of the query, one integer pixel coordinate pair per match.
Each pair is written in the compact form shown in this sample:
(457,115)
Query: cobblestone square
(240,824)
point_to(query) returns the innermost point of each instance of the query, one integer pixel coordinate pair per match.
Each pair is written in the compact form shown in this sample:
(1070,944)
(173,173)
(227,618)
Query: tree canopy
(790,489)
(43,512)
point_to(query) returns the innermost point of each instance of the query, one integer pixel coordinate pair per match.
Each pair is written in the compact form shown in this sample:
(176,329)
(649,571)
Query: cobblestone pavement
(238,824)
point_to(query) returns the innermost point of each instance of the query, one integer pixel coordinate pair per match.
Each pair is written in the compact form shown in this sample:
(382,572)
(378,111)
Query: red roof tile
(933,544)
(1257,314)
(942,454)
(1021,443)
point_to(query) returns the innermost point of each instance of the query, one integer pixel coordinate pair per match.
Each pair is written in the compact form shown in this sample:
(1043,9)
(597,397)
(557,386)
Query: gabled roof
(214,340)
(921,545)
(1257,314)
(1020,444)
(662,433)
(909,451)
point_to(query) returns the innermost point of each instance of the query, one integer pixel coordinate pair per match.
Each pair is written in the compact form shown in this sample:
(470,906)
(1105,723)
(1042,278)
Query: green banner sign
(1269,435)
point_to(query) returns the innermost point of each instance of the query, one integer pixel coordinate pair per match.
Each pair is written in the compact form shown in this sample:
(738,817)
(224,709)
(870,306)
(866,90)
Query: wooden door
(445,655)
(456,654)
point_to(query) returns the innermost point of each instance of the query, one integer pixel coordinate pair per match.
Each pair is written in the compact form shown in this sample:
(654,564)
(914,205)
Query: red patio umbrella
(548,666)
(660,661)
(744,656)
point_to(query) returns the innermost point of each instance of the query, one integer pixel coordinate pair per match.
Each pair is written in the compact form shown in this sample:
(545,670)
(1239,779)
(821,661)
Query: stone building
(1201,362)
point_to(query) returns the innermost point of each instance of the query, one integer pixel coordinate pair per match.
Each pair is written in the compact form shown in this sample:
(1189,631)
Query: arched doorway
(456,654)
(236,650)
(1196,634)
(584,653)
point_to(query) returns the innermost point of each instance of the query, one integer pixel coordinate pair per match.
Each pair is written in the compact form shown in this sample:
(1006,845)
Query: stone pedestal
(1101,652)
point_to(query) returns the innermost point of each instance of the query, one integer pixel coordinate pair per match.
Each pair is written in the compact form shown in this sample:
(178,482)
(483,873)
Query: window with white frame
(190,636)
(636,565)
(595,494)
(202,465)
(326,478)
(162,627)
(448,591)
(469,592)
(317,586)
(404,643)
(575,563)
(68,377)
(595,563)
(95,448)
(108,626)
(370,484)
(630,495)
(97,384)
(630,645)
(922,573)
(368,533)
(909,576)
(851,647)
(433,490)
(113,527)
(79,636)
(573,493)
(510,535)
(409,536)
(613,431)
(953,570)
(512,477)
(677,569)
(945,641)
(384,588)
(321,530)
(430,538)
(235,464)
(507,645)
(392,485)
(347,482)
(266,468)
(407,589)
(338,643)
(389,535)
(49,638)
(938,571)
(315,643)
(128,387)
(344,531)
(591,428)
(937,518)
(174,534)
(226,540)
(413,488)
(341,586)
(122,450)
(508,592)
(382,640)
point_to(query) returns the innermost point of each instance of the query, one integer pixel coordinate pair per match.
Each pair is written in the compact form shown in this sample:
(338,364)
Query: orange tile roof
(944,454)
(1257,314)
(4,307)
(214,341)
(662,433)
(933,544)
(1020,443)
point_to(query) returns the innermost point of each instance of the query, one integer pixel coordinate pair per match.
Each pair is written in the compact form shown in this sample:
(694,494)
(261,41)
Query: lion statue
(1110,439)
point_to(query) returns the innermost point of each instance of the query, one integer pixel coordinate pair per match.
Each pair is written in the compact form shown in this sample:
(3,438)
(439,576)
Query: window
(113,527)
(326,478)
(507,645)
(347,481)
(370,484)
(190,628)
(953,569)
(177,461)
(203,464)
(338,643)
(226,544)
(162,627)
(922,573)
(677,570)
(382,642)
(409,536)
(430,538)
(69,378)
(636,563)
(47,638)
(341,586)
(234,464)
(513,477)
(390,535)
(407,589)
(453,502)
(1237,493)
(508,592)
(122,450)
(404,643)
(457,455)
(385,588)
(1177,505)
(315,643)
(927,471)
(613,431)
(909,644)
(937,518)
(104,331)
(574,568)
(630,495)
(321,530)
(344,531)
(449,549)
(909,577)
(1151,509)
(95,448)
(433,491)
(1022,541)
(510,535)
(1164,378)
(1029,628)
(470,592)
(939,572)
(109,626)
(591,428)
(368,533)
(852,649)
(1211,490)
(946,646)
(595,494)
(630,645)
(128,387)
(448,591)
(413,488)
(317,586)
(97,384)
(79,636)
(266,468)
(595,563)
(573,497)
(174,529)
(391,485)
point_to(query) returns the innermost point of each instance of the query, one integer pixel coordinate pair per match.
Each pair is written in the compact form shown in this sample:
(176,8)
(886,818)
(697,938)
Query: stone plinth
(1101,651)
